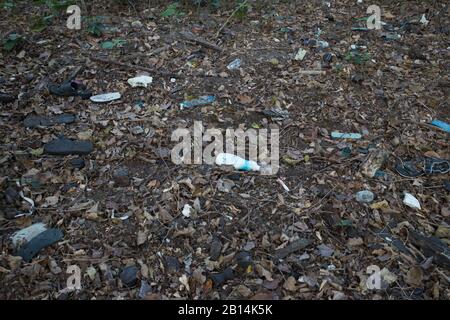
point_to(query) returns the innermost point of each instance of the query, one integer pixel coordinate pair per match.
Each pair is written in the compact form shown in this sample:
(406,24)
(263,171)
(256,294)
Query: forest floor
(241,234)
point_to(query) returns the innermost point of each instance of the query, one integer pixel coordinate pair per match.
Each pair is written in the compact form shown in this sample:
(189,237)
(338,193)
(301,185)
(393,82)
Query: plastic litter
(237,162)
(374,162)
(39,242)
(300,54)
(63,146)
(276,113)
(106,97)
(197,102)
(341,135)
(411,201)
(441,124)
(365,196)
(423,20)
(35,121)
(222,277)
(70,88)
(186,211)
(426,165)
(140,81)
(23,236)
(235,64)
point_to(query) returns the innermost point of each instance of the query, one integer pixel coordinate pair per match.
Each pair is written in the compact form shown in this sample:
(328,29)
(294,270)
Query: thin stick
(191,37)
(231,16)
(133,67)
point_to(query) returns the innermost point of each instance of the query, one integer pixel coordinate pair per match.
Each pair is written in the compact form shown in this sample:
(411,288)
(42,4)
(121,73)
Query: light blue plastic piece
(341,135)
(441,124)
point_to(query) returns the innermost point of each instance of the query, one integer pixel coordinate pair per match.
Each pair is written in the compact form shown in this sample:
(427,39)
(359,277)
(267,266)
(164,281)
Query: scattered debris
(203,100)
(235,64)
(374,162)
(34,121)
(339,135)
(365,196)
(63,146)
(129,276)
(441,124)
(140,81)
(411,201)
(226,159)
(106,97)
(291,248)
(23,236)
(39,242)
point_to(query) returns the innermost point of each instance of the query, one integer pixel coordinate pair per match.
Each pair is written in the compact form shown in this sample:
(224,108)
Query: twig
(130,66)
(191,37)
(229,18)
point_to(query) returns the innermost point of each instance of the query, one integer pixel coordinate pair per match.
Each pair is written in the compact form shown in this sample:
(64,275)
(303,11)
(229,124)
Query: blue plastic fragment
(441,124)
(341,135)
(198,102)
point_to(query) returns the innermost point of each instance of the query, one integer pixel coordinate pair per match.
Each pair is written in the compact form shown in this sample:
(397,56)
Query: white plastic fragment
(300,54)
(140,81)
(186,210)
(238,163)
(285,187)
(411,201)
(30,201)
(423,20)
(106,97)
(23,236)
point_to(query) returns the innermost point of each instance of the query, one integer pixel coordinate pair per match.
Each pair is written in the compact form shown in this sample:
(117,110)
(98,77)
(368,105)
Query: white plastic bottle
(237,162)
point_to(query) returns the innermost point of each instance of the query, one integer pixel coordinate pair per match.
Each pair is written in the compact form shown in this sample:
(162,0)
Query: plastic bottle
(237,162)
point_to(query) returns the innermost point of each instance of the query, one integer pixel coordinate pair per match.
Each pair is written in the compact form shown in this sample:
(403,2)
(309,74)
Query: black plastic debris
(215,249)
(63,146)
(396,243)
(291,248)
(172,264)
(222,277)
(70,88)
(432,247)
(77,163)
(34,121)
(129,276)
(41,241)
(244,259)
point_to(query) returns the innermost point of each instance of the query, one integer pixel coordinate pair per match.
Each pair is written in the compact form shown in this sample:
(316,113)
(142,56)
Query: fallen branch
(191,37)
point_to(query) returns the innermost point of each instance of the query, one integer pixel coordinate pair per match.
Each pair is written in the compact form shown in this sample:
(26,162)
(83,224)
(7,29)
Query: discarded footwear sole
(70,89)
(63,146)
(34,121)
(41,241)
(408,169)
(436,166)
(418,167)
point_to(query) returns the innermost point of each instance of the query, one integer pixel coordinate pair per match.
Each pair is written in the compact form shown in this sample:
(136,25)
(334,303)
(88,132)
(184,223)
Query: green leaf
(172,10)
(8,4)
(37,152)
(12,41)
